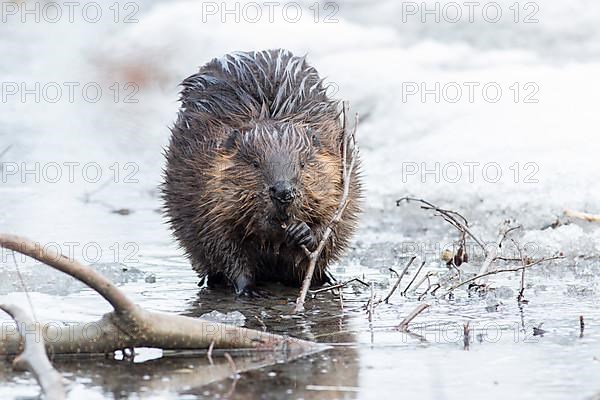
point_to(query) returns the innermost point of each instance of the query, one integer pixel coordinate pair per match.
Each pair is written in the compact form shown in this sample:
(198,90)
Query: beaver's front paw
(245,287)
(253,292)
(301,235)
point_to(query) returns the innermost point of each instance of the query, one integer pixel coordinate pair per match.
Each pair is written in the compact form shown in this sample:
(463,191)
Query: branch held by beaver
(349,153)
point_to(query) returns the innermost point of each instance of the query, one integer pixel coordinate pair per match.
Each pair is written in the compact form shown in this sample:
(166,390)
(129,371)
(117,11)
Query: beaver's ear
(233,140)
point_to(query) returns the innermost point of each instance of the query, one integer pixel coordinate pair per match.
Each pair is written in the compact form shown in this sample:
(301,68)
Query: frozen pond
(103,207)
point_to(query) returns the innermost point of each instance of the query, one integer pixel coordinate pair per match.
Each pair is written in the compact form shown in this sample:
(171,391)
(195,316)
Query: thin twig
(422,296)
(234,369)
(436,289)
(338,286)
(521,295)
(423,279)
(582,215)
(492,253)
(347,172)
(387,298)
(371,300)
(413,279)
(507,259)
(452,217)
(418,310)
(501,270)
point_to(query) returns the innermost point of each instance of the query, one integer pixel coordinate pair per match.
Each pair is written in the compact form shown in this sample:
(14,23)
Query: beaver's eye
(315,140)
(255,164)
(302,164)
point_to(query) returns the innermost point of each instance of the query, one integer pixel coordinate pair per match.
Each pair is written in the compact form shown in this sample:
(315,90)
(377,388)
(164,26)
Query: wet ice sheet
(368,360)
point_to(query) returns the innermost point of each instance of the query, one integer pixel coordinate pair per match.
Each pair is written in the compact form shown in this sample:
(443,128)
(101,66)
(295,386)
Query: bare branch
(130,326)
(501,270)
(387,298)
(418,310)
(338,286)
(414,277)
(34,357)
(492,254)
(521,295)
(582,215)
(466,335)
(371,301)
(349,152)
(423,279)
(452,217)
(436,285)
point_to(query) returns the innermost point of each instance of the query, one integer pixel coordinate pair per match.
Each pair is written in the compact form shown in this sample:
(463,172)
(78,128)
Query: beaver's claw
(252,292)
(246,287)
(301,235)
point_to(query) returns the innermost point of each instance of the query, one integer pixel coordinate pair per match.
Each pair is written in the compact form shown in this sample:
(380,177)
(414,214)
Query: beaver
(254,171)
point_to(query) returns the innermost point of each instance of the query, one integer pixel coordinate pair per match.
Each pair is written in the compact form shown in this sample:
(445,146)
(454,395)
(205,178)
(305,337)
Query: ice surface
(40,278)
(231,318)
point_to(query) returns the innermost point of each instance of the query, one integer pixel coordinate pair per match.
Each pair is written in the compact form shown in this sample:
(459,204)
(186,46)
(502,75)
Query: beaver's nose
(282,191)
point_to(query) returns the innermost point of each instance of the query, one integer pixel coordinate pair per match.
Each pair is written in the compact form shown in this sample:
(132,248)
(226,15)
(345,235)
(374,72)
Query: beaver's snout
(282,193)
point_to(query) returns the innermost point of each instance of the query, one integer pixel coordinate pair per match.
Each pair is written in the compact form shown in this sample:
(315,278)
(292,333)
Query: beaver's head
(274,174)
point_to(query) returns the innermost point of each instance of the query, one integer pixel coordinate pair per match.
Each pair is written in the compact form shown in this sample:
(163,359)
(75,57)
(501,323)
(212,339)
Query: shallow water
(367,360)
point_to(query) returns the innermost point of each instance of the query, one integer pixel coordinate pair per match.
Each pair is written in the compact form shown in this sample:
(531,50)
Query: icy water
(104,208)
(367,359)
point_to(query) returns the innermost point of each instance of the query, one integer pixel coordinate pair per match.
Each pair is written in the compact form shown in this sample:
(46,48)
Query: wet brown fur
(250,108)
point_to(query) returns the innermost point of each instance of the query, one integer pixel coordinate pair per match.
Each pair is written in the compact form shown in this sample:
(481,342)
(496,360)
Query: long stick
(344,200)
(404,324)
(399,279)
(131,326)
(414,277)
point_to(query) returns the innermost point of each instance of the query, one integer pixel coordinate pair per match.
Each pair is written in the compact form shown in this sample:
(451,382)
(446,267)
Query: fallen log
(129,326)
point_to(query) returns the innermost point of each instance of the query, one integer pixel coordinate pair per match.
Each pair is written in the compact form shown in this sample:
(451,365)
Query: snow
(553,141)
